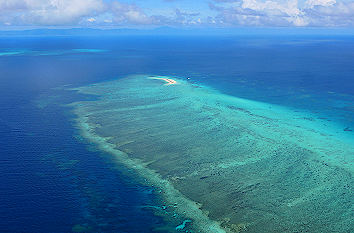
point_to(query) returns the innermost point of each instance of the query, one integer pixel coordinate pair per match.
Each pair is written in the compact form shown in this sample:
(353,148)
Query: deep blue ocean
(52,180)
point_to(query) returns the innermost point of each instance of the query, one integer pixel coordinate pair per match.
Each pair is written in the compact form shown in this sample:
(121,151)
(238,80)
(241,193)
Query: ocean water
(258,132)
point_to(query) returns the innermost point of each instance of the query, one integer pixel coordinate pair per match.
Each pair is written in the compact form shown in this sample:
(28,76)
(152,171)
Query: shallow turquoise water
(253,166)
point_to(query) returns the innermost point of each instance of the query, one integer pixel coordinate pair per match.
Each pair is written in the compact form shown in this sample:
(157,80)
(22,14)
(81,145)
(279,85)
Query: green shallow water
(249,166)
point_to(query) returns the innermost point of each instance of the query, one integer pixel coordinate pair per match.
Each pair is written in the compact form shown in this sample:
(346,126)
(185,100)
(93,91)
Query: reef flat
(226,163)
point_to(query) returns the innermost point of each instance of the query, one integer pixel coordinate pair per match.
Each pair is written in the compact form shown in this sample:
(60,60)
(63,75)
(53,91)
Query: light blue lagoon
(252,166)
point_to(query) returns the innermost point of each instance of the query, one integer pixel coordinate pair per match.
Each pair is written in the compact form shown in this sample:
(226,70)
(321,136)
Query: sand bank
(168,80)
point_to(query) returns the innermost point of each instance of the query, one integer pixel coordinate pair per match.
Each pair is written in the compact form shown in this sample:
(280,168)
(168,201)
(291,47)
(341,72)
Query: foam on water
(248,165)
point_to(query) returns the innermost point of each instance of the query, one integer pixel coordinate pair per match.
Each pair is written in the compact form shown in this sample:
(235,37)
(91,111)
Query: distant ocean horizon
(54,179)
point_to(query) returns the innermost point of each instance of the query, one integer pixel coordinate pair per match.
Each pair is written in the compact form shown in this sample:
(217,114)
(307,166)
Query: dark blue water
(51,180)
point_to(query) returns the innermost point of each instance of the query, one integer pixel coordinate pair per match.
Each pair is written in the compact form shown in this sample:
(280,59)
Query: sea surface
(53,179)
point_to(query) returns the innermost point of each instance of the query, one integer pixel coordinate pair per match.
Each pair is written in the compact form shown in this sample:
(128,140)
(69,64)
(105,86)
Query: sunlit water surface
(55,180)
